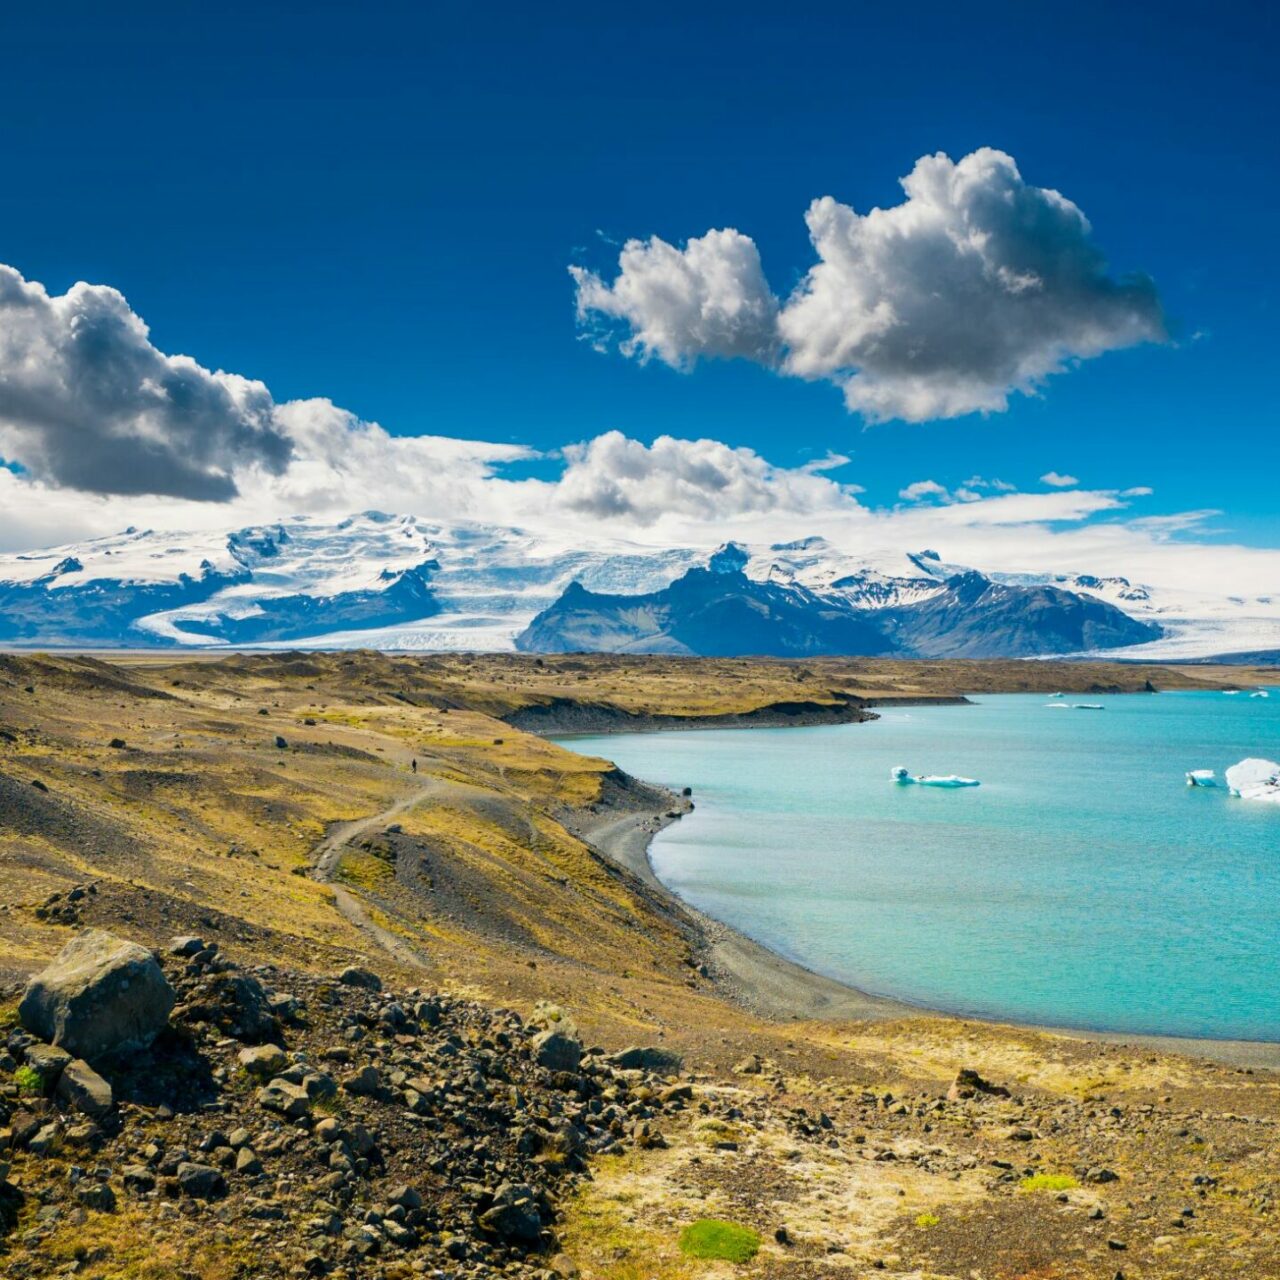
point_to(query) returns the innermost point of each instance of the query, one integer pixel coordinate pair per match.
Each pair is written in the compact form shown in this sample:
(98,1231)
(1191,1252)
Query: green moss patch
(29,1081)
(726,1241)
(1048,1182)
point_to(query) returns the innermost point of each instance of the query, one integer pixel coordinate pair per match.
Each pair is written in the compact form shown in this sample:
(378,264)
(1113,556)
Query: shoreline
(779,989)
(576,720)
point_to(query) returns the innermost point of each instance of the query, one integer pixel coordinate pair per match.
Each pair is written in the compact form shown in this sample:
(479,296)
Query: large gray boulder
(102,995)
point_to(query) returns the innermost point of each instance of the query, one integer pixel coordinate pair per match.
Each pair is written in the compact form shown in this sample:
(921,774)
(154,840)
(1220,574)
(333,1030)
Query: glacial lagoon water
(1083,884)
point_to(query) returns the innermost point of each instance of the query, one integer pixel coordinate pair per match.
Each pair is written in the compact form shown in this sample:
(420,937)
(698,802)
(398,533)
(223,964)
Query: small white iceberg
(1201,778)
(1255,779)
(899,775)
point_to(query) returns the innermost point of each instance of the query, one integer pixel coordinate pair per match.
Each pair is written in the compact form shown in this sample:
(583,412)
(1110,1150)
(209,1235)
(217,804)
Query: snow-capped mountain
(370,580)
(719,610)
(400,582)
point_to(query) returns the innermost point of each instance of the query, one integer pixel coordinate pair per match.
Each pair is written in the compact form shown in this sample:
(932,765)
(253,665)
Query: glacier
(403,582)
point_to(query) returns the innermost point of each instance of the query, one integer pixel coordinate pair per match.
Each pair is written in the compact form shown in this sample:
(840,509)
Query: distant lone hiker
(414,764)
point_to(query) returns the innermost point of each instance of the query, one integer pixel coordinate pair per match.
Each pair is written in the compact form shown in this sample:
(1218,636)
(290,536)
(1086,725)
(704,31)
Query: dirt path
(328,853)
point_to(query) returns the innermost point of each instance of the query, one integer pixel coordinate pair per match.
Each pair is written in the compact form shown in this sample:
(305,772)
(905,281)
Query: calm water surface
(1082,884)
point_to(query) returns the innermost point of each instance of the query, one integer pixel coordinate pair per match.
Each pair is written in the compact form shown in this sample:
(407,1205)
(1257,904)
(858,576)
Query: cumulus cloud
(977,286)
(613,476)
(1059,481)
(87,401)
(922,489)
(708,299)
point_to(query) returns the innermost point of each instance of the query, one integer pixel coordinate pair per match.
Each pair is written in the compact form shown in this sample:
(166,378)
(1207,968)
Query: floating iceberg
(1255,779)
(1201,778)
(899,775)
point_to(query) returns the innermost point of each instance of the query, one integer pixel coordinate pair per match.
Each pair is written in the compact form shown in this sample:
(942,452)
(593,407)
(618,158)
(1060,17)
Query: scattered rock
(284,1098)
(557,1051)
(49,1060)
(264,1060)
(969,1084)
(515,1214)
(650,1058)
(200,1181)
(82,1089)
(237,1004)
(138,1178)
(364,1083)
(96,1195)
(353,976)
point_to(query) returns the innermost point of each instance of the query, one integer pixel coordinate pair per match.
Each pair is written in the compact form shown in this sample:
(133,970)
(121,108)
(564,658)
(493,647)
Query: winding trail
(328,854)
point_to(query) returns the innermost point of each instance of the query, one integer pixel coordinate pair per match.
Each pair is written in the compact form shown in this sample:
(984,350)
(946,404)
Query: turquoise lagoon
(1083,884)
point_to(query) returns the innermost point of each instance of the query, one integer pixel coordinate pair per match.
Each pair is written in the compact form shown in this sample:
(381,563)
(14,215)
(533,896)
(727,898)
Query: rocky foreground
(311,1126)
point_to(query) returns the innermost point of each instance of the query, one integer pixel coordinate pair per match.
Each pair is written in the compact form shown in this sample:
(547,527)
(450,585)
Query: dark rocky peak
(729,558)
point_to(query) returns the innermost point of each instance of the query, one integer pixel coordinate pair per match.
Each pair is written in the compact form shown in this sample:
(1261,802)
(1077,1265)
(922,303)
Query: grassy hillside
(270,803)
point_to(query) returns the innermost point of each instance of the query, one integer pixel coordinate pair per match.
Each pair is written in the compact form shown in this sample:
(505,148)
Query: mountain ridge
(400,582)
(719,611)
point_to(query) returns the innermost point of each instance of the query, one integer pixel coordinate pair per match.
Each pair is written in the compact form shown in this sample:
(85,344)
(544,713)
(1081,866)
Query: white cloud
(974,489)
(87,401)
(614,477)
(977,286)
(168,435)
(922,489)
(708,299)
(1059,481)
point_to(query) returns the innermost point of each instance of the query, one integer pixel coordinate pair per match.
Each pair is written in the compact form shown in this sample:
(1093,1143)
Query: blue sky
(378,204)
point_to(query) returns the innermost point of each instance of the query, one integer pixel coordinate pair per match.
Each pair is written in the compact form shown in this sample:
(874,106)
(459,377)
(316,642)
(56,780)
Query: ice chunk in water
(1255,779)
(899,775)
